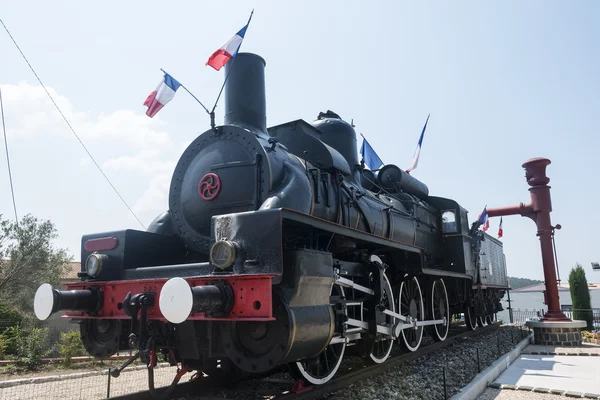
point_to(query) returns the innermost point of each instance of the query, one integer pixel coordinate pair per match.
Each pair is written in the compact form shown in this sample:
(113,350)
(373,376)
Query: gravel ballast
(423,378)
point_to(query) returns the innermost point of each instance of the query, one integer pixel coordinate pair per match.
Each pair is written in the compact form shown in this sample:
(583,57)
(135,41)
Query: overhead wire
(12,189)
(72,130)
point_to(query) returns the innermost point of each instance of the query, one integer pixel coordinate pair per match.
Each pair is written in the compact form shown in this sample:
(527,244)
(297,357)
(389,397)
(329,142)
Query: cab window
(449,222)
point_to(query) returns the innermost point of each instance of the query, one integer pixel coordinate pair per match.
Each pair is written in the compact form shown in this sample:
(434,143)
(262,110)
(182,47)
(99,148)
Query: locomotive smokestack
(245,100)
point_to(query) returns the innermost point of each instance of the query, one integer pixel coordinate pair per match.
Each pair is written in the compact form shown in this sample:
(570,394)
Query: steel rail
(194,389)
(342,381)
(191,389)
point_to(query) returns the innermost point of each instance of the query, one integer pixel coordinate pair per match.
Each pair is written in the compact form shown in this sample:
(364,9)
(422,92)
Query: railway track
(278,385)
(344,379)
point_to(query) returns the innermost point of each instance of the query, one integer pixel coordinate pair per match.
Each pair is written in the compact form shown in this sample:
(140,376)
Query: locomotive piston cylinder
(48,300)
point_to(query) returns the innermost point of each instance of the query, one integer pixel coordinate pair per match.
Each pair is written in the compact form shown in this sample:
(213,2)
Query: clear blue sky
(503,81)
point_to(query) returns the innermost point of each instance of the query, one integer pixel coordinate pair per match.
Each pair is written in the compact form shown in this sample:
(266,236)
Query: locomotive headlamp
(93,264)
(223,253)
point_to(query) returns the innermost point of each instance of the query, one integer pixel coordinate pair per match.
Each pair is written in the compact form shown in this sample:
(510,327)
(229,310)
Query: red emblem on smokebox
(209,186)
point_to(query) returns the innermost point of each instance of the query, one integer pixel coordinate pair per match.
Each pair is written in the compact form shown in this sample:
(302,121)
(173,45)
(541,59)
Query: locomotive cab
(456,251)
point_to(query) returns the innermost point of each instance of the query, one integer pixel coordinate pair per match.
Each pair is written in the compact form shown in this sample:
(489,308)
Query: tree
(580,296)
(28,259)
(517,283)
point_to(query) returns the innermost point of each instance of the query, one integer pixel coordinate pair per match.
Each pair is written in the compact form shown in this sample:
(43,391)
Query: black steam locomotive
(280,248)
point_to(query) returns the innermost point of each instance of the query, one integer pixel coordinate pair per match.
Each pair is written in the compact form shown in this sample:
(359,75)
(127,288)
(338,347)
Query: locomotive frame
(280,248)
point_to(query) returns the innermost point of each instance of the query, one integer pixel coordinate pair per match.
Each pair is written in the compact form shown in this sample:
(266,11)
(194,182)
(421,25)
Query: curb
(561,353)
(480,383)
(73,360)
(566,393)
(54,378)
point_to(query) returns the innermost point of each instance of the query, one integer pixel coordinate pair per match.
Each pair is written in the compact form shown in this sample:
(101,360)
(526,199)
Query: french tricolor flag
(162,95)
(415,160)
(228,51)
(500,232)
(483,219)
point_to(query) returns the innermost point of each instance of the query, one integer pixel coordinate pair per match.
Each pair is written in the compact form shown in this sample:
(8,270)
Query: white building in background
(531,298)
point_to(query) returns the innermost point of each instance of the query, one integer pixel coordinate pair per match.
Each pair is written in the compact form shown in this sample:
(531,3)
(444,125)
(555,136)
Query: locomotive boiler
(280,248)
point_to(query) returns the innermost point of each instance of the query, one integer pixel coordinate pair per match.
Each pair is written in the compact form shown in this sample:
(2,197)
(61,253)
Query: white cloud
(131,128)
(147,162)
(32,113)
(131,142)
(155,198)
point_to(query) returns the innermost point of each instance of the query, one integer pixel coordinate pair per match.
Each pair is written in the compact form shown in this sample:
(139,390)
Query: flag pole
(195,98)
(212,112)
(417,153)
(362,158)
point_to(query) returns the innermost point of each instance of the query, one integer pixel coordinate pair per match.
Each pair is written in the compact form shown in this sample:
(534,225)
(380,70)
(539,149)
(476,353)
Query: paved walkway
(497,394)
(86,387)
(546,368)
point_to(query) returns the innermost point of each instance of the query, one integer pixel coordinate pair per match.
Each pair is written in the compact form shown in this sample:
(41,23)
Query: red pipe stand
(539,211)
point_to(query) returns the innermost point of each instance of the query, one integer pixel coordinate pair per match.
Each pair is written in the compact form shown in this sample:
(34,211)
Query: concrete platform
(557,333)
(555,373)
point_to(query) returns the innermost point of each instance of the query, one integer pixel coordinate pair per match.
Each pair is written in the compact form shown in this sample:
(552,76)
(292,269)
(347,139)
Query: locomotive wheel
(410,303)
(100,337)
(320,369)
(490,318)
(383,344)
(258,346)
(440,309)
(470,320)
(482,321)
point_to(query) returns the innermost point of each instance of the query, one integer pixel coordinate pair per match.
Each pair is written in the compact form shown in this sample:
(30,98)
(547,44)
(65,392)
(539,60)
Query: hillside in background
(516,283)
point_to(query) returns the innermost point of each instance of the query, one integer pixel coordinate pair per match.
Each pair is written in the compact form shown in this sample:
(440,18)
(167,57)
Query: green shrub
(8,317)
(580,296)
(10,338)
(10,321)
(32,347)
(70,346)
(2,346)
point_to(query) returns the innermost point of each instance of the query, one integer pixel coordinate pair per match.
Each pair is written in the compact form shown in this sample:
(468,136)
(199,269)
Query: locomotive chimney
(245,100)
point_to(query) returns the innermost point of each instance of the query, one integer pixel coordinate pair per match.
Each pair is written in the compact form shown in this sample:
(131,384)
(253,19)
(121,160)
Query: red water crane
(539,211)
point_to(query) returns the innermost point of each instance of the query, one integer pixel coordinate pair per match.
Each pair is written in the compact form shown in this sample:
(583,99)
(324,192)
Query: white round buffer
(176,300)
(43,303)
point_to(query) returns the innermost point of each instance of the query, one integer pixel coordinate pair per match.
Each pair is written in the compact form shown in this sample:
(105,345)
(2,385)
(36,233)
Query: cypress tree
(580,296)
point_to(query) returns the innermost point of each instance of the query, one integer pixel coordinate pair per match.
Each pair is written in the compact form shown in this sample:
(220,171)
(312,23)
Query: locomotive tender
(280,248)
